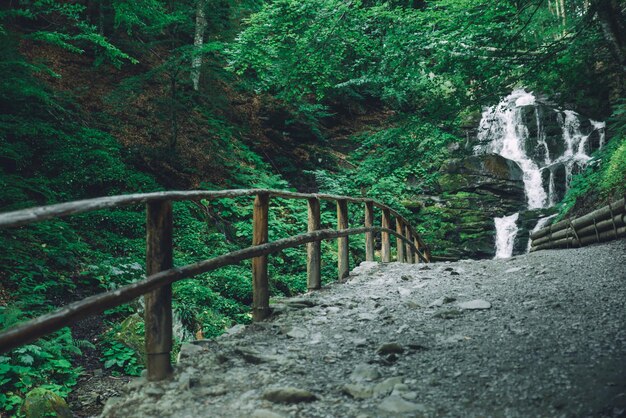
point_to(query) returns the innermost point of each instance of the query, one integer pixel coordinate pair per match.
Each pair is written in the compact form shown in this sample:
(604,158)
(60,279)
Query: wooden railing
(604,224)
(157,286)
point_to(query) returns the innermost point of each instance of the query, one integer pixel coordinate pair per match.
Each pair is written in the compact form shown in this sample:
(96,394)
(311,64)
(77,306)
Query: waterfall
(506,132)
(503,130)
(506,228)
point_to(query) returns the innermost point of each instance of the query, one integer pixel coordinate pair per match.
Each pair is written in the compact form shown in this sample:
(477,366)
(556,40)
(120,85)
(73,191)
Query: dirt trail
(536,335)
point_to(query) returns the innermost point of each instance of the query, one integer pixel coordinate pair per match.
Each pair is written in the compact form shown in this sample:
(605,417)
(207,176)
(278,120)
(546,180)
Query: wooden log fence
(604,224)
(161,274)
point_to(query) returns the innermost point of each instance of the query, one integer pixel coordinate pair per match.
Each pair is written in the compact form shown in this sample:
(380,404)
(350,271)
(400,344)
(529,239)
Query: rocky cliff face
(521,161)
(474,190)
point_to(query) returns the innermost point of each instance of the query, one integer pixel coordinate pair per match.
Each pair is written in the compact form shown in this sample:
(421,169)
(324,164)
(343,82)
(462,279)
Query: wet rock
(475,304)
(390,348)
(385,387)
(190,350)
(297,333)
(358,390)
(406,278)
(364,372)
(395,404)
(289,395)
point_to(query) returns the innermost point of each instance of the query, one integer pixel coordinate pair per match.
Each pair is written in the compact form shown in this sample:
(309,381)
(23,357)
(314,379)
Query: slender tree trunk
(198,41)
(612,21)
(174,111)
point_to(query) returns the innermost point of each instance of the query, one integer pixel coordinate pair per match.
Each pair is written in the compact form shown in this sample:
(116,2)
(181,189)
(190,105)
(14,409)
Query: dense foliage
(115,96)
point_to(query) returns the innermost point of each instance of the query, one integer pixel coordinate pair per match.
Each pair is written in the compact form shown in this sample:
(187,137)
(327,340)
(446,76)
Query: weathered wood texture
(30,215)
(417,248)
(616,222)
(601,214)
(46,324)
(260,281)
(343,251)
(399,242)
(408,251)
(369,236)
(314,249)
(600,225)
(581,241)
(158,303)
(385,243)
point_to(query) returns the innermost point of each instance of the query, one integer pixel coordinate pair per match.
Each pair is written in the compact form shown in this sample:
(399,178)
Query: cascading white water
(506,228)
(504,128)
(502,131)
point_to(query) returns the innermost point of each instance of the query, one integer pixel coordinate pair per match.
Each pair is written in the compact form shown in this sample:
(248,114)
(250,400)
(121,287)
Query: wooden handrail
(157,286)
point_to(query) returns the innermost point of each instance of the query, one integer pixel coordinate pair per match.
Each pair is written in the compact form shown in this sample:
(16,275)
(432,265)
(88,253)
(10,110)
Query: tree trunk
(611,20)
(198,41)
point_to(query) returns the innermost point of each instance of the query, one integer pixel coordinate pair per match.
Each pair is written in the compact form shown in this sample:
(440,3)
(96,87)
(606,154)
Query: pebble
(364,372)
(475,304)
(390,348)
(395,404)
(358,390)
(289,395)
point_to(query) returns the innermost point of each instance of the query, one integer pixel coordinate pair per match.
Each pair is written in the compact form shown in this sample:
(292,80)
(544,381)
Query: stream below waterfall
(548,155)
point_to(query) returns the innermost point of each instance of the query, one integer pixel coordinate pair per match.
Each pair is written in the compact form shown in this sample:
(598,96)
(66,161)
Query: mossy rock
(42,402)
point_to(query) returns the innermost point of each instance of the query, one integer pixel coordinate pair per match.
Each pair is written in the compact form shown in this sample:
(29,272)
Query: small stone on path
(390,348)
(289,394)
(358,390)
(396,404)
(364,372)
(475,304)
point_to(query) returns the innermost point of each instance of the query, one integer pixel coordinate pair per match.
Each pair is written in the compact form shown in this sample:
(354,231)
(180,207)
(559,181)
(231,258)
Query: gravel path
(536,335)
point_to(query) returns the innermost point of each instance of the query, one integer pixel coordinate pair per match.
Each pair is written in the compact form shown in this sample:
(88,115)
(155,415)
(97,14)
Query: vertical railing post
(260,282)
(385,245)
(369,236)
(158,303)
(343,254)
(399,242)
(408,250)
(417,245)
(313,253)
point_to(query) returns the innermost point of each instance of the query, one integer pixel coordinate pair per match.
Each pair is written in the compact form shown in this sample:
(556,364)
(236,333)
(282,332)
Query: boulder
(41,403)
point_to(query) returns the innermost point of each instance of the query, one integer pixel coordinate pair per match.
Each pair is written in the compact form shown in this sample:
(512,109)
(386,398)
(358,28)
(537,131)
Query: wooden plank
(416,244)
(260,281)
(598,215)
(314,251)
(601,226)
(385,246)
(408,250)
(46,324)
(158,303)
(571,241)
(369,236)
(399,243)
(343,252)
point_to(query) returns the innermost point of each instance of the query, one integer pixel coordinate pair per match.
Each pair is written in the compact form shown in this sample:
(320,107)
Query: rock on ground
(543,335)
